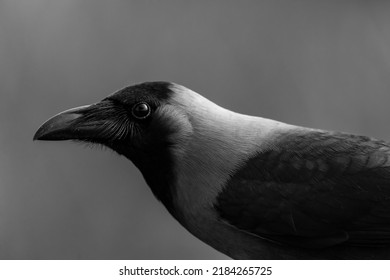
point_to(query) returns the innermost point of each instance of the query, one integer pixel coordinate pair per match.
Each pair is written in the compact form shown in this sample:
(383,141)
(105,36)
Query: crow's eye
(141,110)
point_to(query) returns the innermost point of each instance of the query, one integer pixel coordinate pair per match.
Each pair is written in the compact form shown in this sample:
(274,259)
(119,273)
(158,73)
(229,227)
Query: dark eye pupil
(141,110)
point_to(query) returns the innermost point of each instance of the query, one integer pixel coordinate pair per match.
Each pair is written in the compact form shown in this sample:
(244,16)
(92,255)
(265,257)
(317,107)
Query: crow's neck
(157,168)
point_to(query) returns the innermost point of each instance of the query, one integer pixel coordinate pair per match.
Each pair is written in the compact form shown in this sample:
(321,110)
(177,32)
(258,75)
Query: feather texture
(313,189)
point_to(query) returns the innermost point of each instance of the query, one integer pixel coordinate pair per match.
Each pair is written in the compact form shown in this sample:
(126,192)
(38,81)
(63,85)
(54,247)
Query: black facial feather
(113,115)
(143,141)
(154,93)
(108,122)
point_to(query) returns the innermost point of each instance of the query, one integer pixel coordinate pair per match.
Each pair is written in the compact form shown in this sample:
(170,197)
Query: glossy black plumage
(313,189)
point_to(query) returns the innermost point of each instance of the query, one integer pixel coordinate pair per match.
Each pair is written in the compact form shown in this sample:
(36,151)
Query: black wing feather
(313,189)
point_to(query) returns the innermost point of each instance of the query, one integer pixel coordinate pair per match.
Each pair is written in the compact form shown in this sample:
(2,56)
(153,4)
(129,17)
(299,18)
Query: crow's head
(151,124)
(136,121)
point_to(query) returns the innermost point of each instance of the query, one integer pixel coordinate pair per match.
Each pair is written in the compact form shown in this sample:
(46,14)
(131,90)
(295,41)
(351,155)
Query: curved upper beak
(62,126)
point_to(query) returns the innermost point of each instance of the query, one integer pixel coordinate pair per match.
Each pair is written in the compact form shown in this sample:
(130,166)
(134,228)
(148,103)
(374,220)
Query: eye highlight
(141,110)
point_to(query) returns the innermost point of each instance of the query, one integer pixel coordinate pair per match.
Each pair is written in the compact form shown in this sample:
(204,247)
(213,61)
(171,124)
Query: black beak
(64,126)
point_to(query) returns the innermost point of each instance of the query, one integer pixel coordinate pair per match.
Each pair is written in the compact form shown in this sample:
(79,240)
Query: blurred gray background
(323,64)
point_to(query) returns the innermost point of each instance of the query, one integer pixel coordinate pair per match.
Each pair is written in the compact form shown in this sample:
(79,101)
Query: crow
(250,187)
